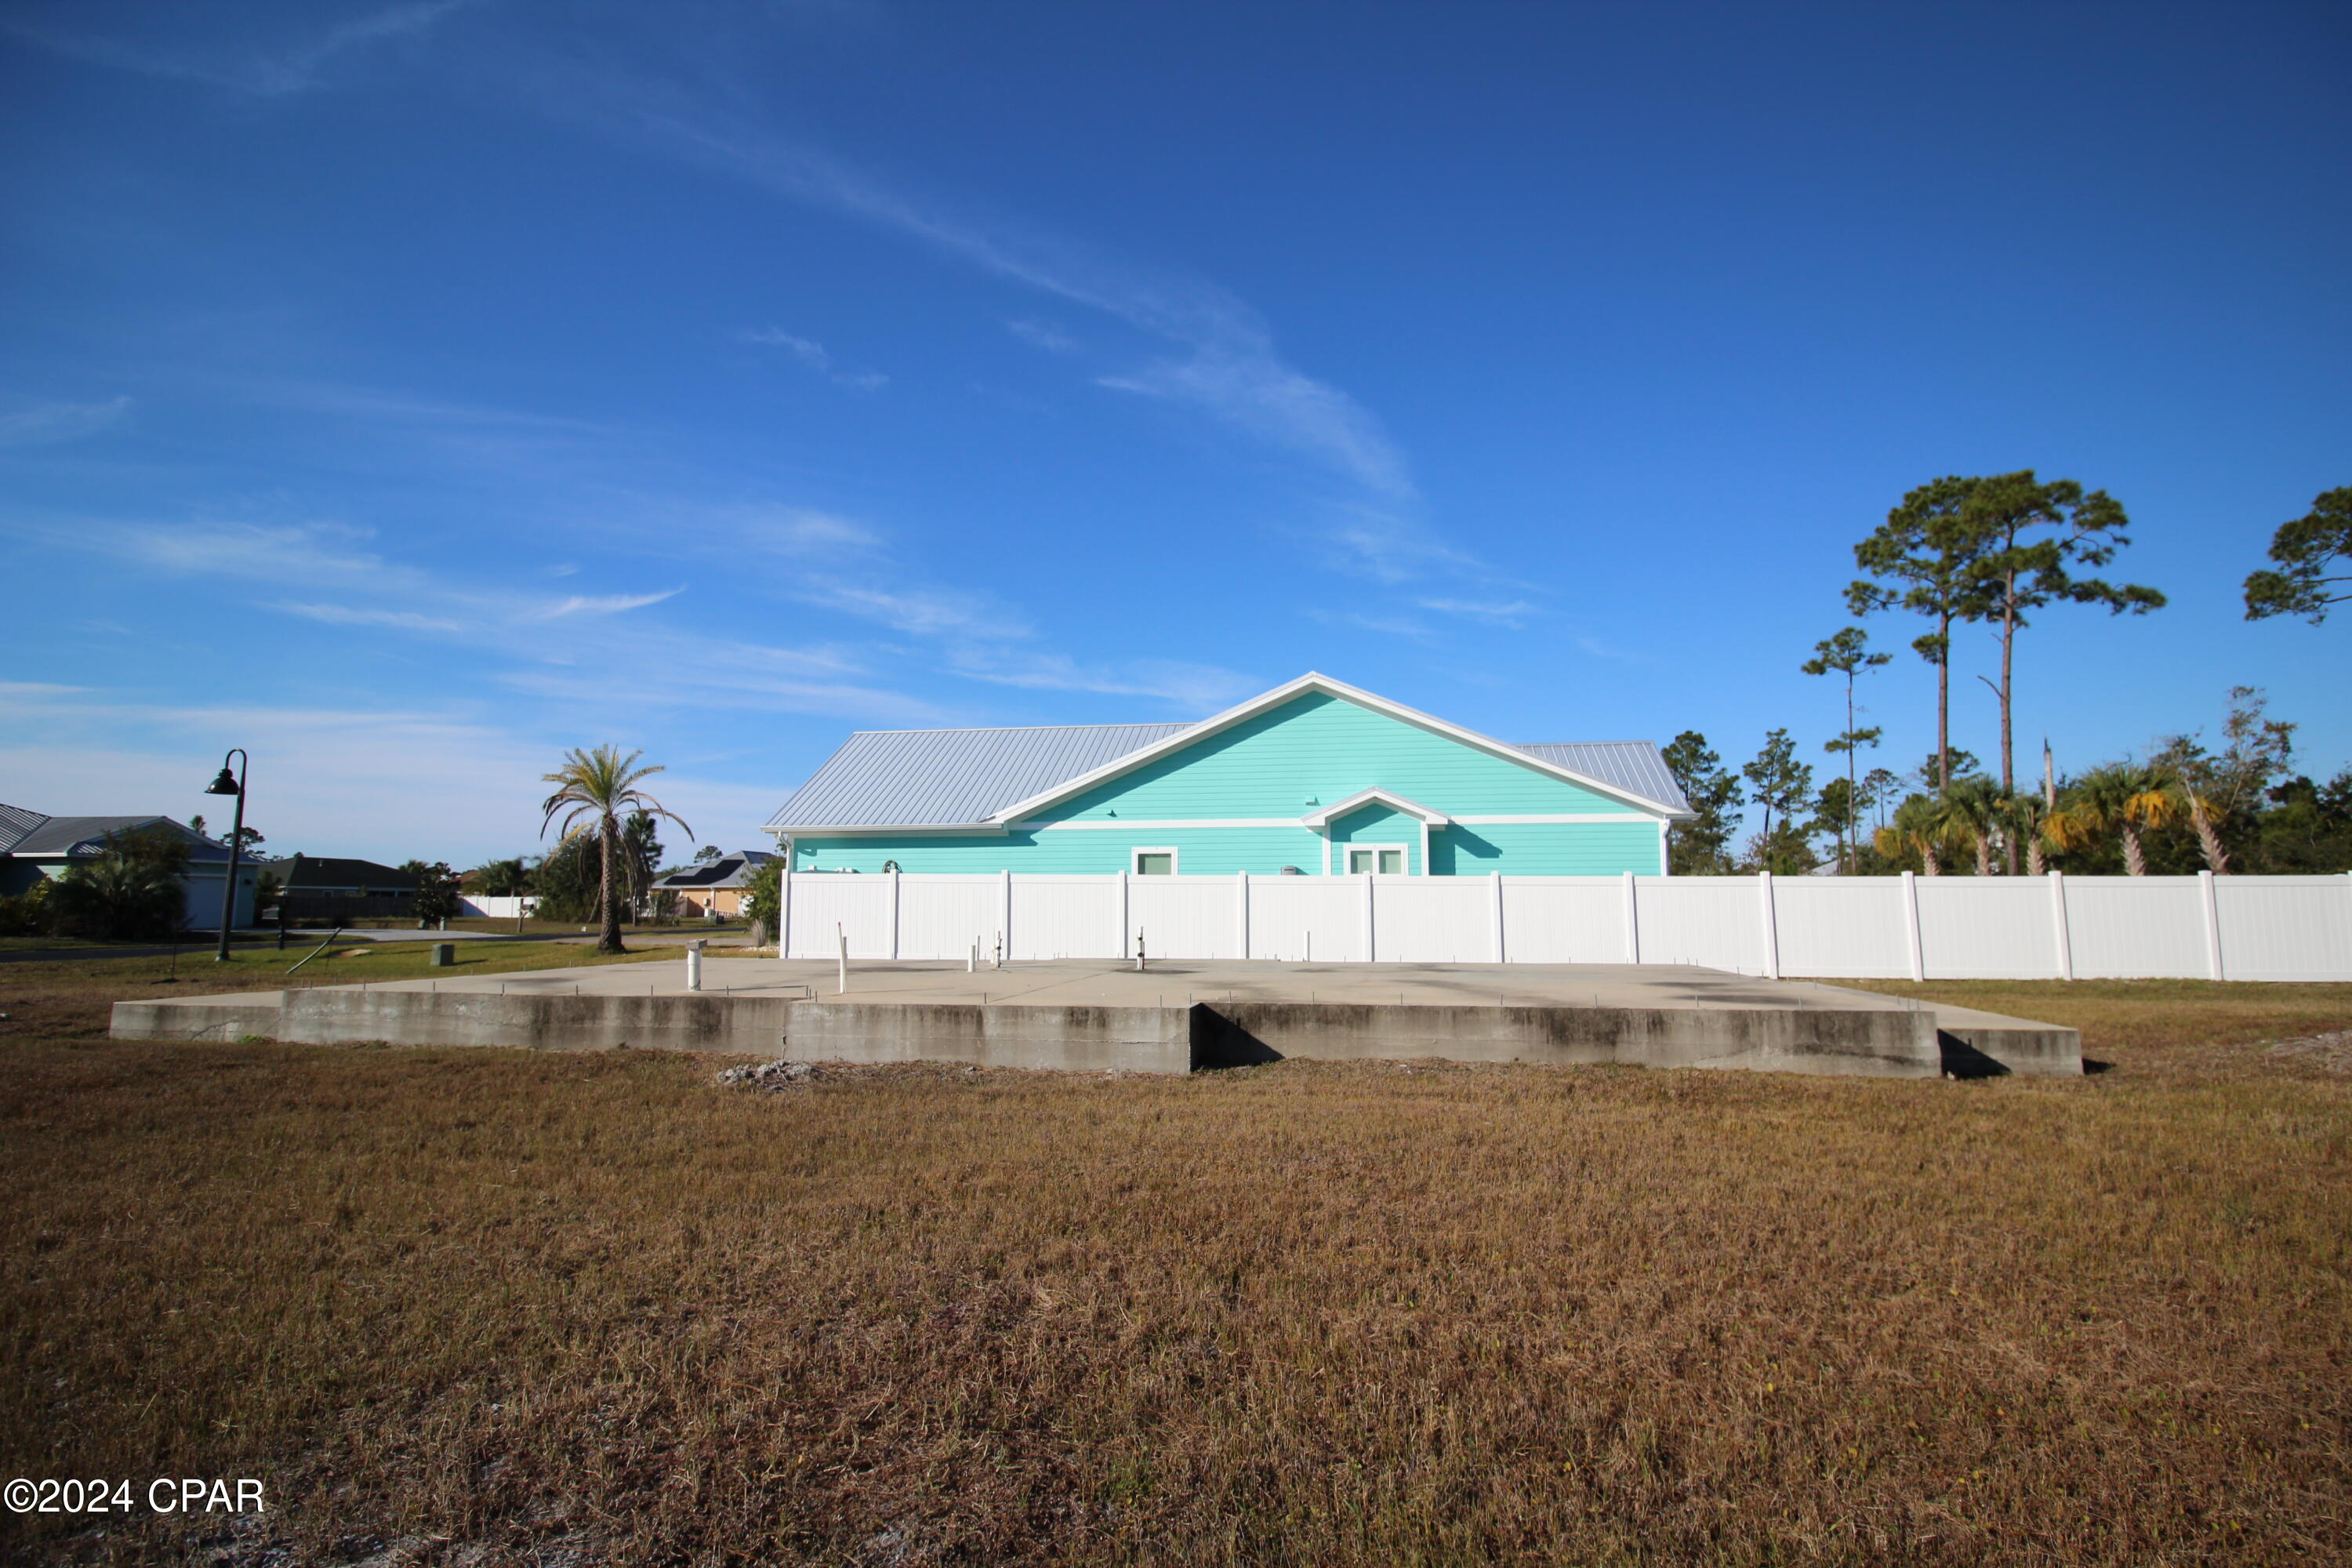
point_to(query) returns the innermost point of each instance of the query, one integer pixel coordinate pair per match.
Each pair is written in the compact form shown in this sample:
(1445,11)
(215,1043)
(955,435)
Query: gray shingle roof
(312,873)
(734,871)
(937,778)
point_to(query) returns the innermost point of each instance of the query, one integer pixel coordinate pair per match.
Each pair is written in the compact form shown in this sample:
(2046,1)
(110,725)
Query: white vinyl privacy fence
(1923,927)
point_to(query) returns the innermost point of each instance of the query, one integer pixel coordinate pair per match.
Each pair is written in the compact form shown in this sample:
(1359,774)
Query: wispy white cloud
(602,603)
(726,676)
(1052,339)
(262,72)
(812,354)
(1600,649)
(807,350)
(1507,612)
(354,615)
(46,422)
(309,555)
(1194,688)
(334,781)
(1388,626)
(341,400)
(1389,548)
(923,612)
(1230,368)
(1247,386)
(799,532)
(332,559)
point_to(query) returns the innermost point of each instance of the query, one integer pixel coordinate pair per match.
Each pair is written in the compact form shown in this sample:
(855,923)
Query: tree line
(1997,552)
(607,854)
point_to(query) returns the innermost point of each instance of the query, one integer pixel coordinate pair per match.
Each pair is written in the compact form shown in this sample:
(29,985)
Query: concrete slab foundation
(1088,1015)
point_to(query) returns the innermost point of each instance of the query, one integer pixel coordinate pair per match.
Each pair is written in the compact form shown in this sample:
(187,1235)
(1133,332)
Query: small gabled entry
(1385,812)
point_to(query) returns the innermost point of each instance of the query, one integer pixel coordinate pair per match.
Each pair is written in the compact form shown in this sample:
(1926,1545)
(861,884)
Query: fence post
(1633,923)
(1004,952)
(1371,932)
(1911,925)
(2212,925)
(784,912)
(1771,927)
(894,913)
(1241,908)
(1501,952)
(2058,924)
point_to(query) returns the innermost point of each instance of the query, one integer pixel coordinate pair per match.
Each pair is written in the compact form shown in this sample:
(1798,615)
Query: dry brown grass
(72,999)
(1304,1313)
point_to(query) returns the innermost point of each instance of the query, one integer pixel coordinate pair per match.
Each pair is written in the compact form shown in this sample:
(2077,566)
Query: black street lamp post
(231,784)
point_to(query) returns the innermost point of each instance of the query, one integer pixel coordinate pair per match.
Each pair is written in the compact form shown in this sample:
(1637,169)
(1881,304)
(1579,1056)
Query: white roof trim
(930,829)
(1430,815)
(1315,681)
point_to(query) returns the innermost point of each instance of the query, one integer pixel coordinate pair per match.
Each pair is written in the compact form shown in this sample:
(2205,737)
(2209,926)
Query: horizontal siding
(1325,749)
(1547,849)
(1200,851)
(1522,849)
(1377,825)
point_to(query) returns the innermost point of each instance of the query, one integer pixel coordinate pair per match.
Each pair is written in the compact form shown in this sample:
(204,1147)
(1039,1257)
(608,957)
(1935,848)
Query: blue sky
(410,392)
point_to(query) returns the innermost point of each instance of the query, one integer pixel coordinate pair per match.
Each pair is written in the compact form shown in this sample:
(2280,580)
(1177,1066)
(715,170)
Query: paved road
(187,950)
(299,941)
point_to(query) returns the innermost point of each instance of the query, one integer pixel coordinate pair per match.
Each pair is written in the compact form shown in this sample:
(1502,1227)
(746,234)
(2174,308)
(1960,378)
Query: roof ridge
(1005,729)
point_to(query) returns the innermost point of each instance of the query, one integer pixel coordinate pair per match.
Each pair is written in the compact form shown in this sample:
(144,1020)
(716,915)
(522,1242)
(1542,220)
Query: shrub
(763,894)
(436,891)
(26,914)
(130,889)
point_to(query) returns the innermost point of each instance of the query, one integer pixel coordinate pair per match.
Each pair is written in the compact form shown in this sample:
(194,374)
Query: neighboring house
(1314,777)
(714,885)
(323,887)
(34,847)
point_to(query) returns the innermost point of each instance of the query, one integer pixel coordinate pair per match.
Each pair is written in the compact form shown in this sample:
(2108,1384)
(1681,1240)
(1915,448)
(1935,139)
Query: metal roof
(87,835)
(15,823)
(938,778)
(943,778)
(1633,766)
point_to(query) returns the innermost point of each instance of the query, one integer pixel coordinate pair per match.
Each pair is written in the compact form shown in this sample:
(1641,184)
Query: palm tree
(1970,815)
(597,787)
(2120,798)
(640,858)
(1912,832)
(2205,812)
(2026,819)
(132,889)
(502,878)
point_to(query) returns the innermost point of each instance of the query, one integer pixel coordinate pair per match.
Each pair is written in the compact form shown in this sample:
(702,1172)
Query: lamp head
(224,784)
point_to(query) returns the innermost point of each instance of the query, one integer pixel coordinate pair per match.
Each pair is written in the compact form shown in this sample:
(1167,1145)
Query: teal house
(1313,778)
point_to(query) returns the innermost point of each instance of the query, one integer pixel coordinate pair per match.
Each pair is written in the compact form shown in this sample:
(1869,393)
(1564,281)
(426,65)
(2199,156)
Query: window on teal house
(1155,862)
(1380,858)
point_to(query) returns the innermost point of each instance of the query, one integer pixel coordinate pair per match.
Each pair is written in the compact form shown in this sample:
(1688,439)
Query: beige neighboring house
(714,886)
(34,847)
